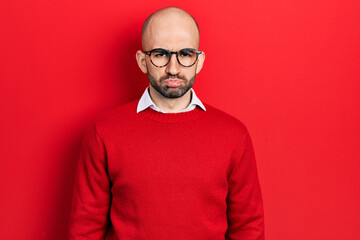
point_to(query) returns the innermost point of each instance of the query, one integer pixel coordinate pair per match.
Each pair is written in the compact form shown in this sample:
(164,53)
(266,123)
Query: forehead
(171,31)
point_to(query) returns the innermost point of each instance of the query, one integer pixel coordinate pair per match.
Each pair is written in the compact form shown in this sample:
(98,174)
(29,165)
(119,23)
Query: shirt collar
(145,102)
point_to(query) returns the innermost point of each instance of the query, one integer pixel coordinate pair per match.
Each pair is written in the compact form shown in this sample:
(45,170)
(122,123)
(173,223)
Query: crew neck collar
(173,117)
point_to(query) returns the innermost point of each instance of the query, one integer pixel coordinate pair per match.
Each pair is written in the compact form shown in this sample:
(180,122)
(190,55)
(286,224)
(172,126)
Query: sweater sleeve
(244,200)
(91,200)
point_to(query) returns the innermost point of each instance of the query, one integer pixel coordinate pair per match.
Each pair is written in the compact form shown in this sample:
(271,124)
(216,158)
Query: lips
(173,82)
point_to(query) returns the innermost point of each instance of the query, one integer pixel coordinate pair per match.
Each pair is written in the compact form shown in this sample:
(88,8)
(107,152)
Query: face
(172,85)
(171,32)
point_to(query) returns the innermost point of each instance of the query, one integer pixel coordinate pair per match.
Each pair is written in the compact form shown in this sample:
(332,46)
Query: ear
(141,61)
(200,63)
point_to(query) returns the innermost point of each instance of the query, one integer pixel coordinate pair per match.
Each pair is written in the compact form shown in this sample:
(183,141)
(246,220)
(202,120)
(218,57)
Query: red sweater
(156,176)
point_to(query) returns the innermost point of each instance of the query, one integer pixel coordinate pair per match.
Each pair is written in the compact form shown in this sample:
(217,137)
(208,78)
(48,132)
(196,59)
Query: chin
(172,94)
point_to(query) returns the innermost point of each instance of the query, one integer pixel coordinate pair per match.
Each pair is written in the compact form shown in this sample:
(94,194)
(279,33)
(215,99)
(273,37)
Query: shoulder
(223,120)
(119,116)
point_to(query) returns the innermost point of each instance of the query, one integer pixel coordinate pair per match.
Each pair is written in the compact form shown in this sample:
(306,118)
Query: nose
(173,66)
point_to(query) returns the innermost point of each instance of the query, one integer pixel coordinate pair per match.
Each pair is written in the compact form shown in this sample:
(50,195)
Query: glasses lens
(159,57)
(187,57)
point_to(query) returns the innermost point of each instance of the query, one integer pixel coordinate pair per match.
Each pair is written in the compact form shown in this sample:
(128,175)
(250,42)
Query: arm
(92,196)
(244,200)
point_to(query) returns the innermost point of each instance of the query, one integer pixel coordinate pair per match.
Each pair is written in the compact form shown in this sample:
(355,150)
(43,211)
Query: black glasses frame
(171,53)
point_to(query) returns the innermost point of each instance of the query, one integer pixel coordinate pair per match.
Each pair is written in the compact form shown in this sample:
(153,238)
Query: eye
(186,53)
(159,53)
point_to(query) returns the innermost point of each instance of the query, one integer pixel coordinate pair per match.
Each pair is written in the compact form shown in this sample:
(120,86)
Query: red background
(288,69)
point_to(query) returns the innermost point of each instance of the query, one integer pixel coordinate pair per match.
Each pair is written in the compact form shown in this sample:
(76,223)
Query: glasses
(186,57)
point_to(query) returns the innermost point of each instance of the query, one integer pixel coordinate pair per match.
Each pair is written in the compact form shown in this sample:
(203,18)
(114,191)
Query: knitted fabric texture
(178,176)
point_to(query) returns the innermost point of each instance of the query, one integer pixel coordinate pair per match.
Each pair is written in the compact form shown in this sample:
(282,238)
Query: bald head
(160,25)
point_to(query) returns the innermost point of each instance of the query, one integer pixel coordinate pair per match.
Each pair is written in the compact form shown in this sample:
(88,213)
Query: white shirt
(145,102)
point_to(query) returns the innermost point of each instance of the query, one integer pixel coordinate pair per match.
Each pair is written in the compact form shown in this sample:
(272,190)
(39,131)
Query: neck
(170,105)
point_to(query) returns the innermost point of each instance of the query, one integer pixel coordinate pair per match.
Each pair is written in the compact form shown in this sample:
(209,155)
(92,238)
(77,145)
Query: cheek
(156,73)
(190,73)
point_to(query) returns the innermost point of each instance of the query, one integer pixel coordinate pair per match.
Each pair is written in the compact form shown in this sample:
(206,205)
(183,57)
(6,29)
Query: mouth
(174,82)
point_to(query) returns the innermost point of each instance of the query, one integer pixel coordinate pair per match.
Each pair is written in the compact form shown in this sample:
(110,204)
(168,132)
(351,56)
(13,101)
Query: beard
(171,92)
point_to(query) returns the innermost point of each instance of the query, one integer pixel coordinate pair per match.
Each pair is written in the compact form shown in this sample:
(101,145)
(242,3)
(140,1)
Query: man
(167,166)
